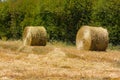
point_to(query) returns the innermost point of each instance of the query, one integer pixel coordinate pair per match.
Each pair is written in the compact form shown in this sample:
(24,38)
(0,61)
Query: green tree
(106,13)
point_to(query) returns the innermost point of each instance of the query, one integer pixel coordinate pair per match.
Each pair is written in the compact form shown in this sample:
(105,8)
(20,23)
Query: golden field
(56,61)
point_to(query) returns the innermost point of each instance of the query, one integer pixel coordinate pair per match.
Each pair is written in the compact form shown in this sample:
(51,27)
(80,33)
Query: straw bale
(92,38)
(35,36)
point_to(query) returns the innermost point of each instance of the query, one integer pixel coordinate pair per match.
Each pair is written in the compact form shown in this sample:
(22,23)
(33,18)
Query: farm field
(56,61)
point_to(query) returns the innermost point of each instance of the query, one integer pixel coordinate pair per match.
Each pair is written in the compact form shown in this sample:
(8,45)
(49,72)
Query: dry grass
(54,62)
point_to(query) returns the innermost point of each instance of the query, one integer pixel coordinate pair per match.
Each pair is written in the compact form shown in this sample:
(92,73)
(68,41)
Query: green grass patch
(113,47)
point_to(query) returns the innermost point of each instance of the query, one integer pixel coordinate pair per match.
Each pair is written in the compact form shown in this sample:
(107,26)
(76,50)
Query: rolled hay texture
(92,38)
(34,36)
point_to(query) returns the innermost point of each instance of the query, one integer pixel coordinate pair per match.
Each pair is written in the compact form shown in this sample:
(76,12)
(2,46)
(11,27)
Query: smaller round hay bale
(35,36)
(92,38)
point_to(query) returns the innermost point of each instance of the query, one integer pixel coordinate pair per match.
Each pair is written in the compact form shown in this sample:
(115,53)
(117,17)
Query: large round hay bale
(35,36)
(92,38)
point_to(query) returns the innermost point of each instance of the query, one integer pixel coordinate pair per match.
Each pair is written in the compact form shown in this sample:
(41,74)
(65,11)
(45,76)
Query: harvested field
(56,62)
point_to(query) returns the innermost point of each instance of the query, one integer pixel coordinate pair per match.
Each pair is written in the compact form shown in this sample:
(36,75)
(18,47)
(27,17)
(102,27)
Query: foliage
(61,18)
(106,13)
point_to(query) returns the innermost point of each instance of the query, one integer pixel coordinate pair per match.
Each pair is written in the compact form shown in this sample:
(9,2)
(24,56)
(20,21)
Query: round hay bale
(35,36)
(92,38)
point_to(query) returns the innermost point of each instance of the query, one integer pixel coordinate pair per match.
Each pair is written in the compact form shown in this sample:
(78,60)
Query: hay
(92,38)
(34,36)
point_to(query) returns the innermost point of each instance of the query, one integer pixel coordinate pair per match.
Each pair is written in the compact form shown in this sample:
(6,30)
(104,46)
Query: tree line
(61,18)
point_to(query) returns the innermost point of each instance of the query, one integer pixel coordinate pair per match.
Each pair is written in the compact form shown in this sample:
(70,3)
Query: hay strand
(92,38)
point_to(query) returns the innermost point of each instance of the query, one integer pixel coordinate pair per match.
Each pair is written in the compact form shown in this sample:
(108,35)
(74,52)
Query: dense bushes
(106,13)
(62,18)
